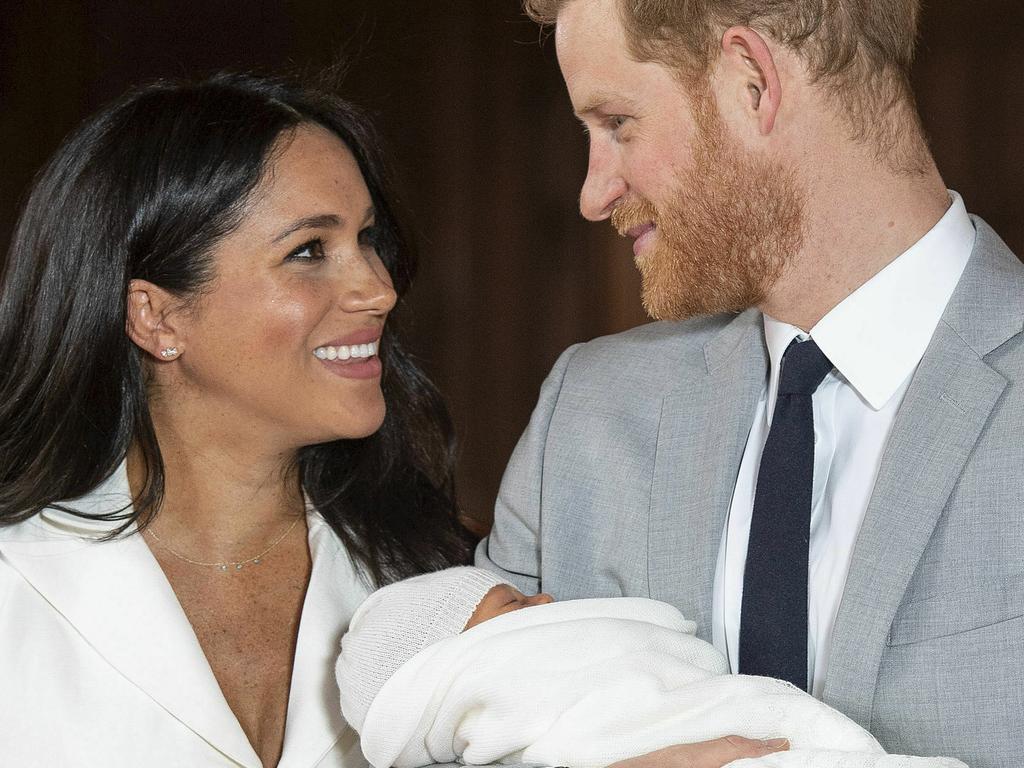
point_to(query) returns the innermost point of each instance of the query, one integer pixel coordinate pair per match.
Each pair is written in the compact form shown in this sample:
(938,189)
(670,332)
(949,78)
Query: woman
(211,445)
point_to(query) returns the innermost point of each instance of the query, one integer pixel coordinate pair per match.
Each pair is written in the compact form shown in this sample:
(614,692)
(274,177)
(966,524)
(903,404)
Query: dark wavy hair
(146,189)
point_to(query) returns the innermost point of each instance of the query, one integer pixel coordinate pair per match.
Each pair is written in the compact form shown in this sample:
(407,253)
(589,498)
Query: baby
(448,667)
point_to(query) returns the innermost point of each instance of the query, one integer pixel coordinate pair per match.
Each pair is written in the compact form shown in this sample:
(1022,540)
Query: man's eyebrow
(320,221)
(597,100)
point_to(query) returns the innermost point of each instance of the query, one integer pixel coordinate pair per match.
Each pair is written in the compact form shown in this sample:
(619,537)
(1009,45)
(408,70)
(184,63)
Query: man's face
(713,223)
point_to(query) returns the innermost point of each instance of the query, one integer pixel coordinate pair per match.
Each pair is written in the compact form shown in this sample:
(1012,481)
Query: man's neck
(859,217)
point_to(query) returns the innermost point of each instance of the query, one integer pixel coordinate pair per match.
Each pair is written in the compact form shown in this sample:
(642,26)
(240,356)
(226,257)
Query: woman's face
(285,340)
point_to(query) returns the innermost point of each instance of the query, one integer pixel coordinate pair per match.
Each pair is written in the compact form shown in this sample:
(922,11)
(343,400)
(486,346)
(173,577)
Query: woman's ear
(749,60)
(152,320)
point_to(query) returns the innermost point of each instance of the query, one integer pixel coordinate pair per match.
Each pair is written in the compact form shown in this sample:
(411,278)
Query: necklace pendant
(222,567)
(256,561)
(239,566)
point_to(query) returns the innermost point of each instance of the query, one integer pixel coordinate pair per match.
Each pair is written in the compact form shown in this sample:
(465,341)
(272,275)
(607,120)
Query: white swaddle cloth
(585,683)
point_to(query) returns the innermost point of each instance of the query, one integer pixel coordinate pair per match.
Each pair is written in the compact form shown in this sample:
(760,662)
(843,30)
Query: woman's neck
(223,492)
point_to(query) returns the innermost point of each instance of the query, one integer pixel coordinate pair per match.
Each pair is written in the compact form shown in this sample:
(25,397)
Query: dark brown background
(488,155)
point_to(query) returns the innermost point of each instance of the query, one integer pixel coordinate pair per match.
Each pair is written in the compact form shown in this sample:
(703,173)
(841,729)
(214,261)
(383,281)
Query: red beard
(725,234)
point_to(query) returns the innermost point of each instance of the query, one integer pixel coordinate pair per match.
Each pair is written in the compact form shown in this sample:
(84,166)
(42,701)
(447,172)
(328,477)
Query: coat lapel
(703,430)
(942,416)
(335,590)
(118,600)
(116,597)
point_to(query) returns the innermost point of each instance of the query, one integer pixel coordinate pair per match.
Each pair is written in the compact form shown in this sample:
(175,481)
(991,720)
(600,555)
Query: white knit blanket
(584,683)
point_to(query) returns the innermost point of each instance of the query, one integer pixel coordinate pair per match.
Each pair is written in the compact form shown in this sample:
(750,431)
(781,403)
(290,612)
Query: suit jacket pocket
(1000,599)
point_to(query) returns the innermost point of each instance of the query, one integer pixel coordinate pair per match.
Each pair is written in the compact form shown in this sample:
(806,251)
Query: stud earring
(168,352)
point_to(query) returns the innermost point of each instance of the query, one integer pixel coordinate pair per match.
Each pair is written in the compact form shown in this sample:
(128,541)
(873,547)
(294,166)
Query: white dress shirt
(99,666)
(875,338)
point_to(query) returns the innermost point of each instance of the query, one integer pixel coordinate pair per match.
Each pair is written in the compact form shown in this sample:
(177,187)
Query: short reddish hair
(860,51)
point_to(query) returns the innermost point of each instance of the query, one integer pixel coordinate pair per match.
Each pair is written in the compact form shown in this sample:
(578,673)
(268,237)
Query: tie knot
(804,366)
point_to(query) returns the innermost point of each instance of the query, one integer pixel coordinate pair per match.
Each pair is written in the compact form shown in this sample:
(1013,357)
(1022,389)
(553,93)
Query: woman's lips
(364,368)
(351,361)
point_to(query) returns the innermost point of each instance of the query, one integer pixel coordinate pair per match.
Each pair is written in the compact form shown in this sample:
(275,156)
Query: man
(817,456)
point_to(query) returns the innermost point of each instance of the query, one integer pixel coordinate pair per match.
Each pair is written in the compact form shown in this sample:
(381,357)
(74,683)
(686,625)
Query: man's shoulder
(693,332)
(649,350)
(647,361)
(987,308)
(993,263)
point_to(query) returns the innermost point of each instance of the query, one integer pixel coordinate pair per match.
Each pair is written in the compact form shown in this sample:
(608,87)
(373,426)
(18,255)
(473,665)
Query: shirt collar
(878,334)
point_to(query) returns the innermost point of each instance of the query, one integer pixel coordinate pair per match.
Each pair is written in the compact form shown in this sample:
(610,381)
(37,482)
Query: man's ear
(747,57)
(152,321)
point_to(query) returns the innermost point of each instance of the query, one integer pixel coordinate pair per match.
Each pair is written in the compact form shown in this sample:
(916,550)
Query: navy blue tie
(773,618)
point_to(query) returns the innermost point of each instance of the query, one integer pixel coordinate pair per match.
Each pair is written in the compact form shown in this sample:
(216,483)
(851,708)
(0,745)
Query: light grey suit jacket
(623,479)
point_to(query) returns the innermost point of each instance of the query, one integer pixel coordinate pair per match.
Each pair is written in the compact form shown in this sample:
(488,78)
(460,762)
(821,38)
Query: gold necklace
(236,565)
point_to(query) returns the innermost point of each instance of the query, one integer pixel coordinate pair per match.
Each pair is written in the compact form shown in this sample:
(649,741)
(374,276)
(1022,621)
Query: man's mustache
(633,213)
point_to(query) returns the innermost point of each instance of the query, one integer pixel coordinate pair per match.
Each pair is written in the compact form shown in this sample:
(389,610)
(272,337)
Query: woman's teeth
(356,351)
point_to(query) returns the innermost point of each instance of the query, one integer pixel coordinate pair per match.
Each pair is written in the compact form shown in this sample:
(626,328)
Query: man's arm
(512,550)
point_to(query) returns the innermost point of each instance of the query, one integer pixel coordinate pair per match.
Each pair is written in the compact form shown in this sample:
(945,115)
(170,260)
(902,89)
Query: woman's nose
(367,287)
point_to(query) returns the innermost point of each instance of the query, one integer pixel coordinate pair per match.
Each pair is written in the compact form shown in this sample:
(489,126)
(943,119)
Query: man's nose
(603,187)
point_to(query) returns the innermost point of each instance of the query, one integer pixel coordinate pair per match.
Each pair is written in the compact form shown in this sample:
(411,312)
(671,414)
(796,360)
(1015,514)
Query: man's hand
(705,754)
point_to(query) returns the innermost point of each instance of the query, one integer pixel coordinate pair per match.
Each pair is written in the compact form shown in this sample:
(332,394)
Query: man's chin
(677,300)
(658,310)
(696,271)
(661,303)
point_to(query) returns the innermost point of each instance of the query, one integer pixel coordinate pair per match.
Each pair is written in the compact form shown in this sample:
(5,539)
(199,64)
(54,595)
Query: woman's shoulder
(93,515)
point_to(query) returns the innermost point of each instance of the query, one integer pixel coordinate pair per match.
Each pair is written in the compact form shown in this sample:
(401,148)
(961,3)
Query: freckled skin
(248,349)
(245,394)
(247,625)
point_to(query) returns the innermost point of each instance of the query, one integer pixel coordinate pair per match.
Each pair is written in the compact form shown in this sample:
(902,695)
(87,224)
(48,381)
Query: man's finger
(728,748)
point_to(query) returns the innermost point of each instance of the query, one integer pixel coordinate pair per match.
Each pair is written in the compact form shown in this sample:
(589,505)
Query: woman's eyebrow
(320,221)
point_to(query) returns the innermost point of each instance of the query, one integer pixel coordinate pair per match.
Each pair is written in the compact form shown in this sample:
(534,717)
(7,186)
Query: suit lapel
(117,599)
(703,430)
(942,416)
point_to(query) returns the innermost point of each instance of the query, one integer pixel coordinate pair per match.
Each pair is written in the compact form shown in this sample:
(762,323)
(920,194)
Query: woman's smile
(352,360)
(301,272)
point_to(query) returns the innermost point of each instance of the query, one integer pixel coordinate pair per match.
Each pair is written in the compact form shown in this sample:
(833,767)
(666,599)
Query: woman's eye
(312,250)
(371,237)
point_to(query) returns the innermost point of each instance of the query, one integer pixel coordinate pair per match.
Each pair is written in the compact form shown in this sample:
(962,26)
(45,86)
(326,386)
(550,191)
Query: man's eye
(616,121)
(311,250)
